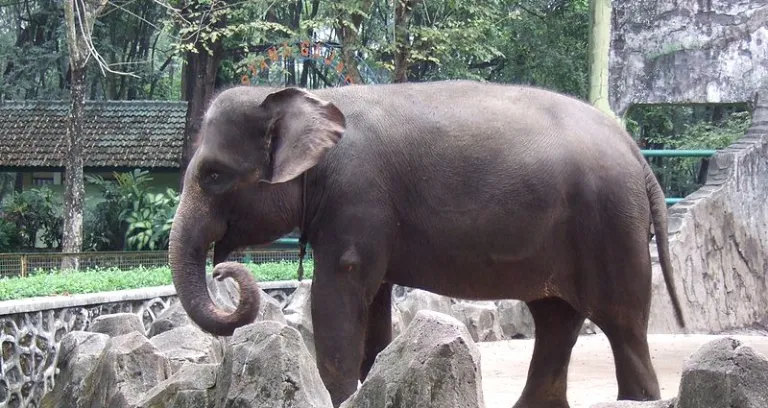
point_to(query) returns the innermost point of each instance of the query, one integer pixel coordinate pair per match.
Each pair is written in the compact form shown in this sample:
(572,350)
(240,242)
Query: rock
(129,367)
(79,353)
(117,324)
(417,299)
(397,322)
(171,318)
(191,386)
(590,328)
(669,53)
(515,319)
(298,314)
(480,318)
(724,373)
(226,295)
(267,365)
(188,344)
(434,363)
(667,403)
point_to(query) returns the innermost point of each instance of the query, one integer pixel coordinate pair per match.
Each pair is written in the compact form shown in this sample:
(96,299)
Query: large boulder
(298,314)
(188,344)
(117,324)
(416,299)
(433,363)
(515,319)
(172,317)
(129,367)
(481,319)
(79,352)
(267,365)
(191,386)
(724,373)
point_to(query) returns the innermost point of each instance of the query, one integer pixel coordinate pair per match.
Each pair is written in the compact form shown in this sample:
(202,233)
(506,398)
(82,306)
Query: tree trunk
(199,78)
(350,42)
(599,50)
(74,188)
(198,86)
(403,11)
(79,51)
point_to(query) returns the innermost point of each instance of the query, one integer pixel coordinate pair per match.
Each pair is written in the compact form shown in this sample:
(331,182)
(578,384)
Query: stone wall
(33,328)
(687,51)
(719,241)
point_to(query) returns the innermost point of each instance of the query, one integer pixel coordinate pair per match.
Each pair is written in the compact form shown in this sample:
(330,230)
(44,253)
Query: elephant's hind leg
(634,371)
(557,328)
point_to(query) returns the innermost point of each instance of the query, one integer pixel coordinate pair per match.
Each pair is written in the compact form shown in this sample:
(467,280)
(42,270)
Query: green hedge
(103,280)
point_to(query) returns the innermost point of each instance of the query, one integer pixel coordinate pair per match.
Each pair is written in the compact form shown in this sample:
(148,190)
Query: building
(118,136)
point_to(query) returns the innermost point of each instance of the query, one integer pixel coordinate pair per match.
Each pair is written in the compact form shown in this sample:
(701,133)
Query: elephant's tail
(659,218)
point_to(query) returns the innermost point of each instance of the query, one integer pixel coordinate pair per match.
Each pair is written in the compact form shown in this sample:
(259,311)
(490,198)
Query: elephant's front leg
(379,332)
(339,318)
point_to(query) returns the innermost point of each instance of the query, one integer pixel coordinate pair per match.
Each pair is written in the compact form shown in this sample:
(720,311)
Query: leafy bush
(131,215)
(49,283)
(150,222)
(33,212)
(683,128)
(9,235)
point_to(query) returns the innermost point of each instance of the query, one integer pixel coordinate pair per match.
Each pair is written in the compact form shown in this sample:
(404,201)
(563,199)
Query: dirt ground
(591,377)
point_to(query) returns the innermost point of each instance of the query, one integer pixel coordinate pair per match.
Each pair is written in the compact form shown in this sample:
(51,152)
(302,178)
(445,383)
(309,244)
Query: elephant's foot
(524,402)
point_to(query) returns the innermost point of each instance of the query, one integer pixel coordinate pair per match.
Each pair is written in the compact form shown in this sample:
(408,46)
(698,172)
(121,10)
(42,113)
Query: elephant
(468,189)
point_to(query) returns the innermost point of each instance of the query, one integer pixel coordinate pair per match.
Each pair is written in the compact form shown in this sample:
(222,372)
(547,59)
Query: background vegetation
(49,283)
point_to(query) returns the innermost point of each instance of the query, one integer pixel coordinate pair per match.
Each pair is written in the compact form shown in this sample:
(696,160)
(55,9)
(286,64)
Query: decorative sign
(328,55)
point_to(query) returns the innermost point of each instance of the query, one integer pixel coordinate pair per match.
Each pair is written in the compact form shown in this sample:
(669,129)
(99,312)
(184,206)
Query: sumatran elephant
(465,189)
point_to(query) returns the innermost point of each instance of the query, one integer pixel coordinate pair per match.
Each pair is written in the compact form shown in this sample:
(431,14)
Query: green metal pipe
(678,153)
(671,201)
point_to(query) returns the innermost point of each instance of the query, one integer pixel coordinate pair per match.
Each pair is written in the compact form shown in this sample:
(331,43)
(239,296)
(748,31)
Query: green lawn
(48,283)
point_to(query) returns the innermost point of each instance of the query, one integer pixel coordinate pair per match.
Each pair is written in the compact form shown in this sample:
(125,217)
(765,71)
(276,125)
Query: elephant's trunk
(189,242)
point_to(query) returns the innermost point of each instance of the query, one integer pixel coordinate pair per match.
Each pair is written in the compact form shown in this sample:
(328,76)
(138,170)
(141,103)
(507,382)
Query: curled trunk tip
(248,306)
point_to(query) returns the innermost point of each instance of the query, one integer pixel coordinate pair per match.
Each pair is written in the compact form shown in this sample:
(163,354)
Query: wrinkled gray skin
(476,191)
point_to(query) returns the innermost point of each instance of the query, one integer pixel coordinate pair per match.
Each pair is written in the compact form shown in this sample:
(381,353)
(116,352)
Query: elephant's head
(242,187)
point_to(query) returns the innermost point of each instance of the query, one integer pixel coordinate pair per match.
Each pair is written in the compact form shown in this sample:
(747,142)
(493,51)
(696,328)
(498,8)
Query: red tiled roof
(142,134)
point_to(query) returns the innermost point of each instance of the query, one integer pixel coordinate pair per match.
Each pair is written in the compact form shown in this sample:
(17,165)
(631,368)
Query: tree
(599,49)
(79,16)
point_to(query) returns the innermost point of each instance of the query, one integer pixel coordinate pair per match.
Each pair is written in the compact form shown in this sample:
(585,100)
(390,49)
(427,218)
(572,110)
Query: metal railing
(705,154)
(25,263)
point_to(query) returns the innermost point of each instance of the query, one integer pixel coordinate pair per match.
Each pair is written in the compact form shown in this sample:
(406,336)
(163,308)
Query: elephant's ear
(302,130)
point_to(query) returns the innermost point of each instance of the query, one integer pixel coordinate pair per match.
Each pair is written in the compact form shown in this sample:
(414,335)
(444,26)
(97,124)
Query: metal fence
(22,264)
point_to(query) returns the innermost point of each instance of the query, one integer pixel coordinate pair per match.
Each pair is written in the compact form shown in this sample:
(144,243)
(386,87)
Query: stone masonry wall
(719,241)
(687,51)
(32,329)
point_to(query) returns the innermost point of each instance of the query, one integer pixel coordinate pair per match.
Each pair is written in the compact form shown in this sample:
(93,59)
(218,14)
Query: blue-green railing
(704,154)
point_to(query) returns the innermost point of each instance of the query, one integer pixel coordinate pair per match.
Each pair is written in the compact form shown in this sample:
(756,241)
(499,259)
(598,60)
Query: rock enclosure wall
(687,51)
(719,241)
(30,338)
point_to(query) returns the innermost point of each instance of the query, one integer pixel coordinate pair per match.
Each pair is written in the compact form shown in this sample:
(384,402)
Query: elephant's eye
(213,176)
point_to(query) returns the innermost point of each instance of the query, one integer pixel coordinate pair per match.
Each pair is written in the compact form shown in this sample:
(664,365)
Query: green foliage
(9,235)
(683,128)
(49,283)
(34,212)
(150,221)
(131,213)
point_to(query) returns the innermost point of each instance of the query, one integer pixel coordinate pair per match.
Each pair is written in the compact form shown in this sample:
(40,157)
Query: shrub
(34,212)
(49,283)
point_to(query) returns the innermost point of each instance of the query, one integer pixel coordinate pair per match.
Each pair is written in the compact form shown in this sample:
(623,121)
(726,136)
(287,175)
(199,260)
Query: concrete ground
(591,377)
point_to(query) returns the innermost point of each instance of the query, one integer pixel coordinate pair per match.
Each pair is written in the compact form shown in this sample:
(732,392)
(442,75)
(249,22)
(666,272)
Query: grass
(50,283)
